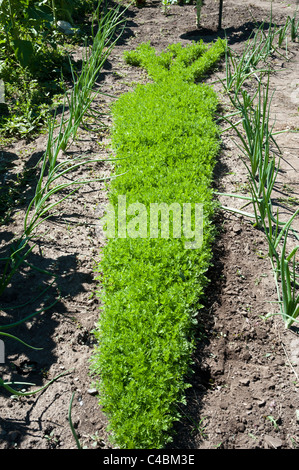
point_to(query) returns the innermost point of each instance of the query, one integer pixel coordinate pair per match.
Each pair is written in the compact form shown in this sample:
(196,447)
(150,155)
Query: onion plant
(262,169)
(9,386)
(238,70)
(199,4)
(82,93)
(256,137)
(282,32)
(289,285)
(294,27)
(252,62)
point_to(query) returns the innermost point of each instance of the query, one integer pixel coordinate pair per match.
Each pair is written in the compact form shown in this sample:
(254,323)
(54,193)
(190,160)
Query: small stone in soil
(245,382)
(273,442)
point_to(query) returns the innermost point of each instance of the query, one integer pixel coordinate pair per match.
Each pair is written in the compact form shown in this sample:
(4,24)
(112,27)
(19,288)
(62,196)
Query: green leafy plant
(166,141)
(27,40)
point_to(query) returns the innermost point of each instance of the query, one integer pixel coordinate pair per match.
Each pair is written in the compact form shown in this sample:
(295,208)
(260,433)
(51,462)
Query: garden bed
(245,387)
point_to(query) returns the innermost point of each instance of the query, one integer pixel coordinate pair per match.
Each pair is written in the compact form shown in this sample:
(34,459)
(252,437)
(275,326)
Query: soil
(244,392)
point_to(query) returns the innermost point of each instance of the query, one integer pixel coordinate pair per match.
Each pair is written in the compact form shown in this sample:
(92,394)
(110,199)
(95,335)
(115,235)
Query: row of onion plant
(261,154)
(56,165)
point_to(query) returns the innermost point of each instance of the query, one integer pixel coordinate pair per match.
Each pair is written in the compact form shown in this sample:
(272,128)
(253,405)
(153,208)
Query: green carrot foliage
(166,142)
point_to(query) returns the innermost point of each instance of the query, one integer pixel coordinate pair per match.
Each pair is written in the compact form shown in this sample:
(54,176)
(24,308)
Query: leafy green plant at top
(21,22)
(166,4)
(27,41)
(25,22)
(29,38)
(190,64)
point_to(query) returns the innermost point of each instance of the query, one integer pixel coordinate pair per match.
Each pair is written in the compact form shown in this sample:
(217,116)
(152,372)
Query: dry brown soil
(244,391)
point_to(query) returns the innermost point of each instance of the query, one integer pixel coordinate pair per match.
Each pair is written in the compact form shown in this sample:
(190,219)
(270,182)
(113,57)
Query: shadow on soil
(232,34)
(32,291)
